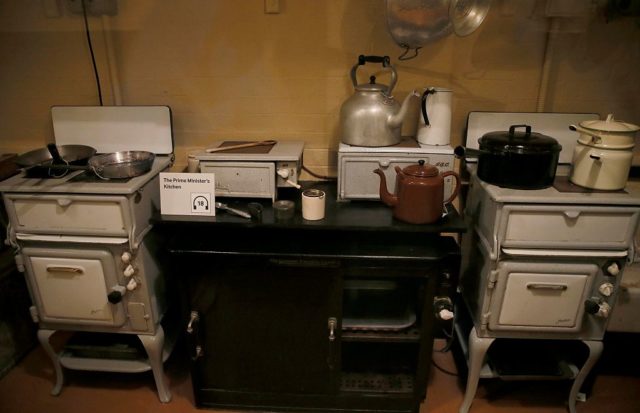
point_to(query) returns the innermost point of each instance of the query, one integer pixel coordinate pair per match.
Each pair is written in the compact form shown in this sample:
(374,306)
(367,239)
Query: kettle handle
(455,191)
(425,95)
(386,63)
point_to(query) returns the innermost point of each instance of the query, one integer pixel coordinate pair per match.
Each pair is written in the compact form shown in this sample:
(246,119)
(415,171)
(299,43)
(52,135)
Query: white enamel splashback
(114,128)
(555,125)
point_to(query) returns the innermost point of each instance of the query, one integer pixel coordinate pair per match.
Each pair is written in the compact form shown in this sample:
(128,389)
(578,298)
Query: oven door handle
(65,269)
(547,286)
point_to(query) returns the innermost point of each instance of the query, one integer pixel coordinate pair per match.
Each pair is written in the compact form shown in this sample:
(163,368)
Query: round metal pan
(414,23)
(467,15)
(125,164)
(69,154)
(116,165)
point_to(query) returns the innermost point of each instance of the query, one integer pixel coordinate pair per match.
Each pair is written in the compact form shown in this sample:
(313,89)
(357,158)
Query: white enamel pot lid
(608,133)
(610,125)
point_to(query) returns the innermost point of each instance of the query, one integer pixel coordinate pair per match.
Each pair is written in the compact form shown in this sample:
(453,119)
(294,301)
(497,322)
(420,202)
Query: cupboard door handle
(332,323)
(194,318)
(192,338)
(198,353)
(542,286)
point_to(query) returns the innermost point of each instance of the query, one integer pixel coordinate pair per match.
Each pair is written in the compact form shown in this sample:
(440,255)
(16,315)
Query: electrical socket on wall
(94,7)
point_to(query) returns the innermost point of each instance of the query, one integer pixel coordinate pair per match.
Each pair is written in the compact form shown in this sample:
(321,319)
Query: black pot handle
(426,94)
(512,130)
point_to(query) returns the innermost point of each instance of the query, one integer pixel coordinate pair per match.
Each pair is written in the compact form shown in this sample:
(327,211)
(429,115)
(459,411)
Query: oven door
(242,179)
(540,296)
(70,285)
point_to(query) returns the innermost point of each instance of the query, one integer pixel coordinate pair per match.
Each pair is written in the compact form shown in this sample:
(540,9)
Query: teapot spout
(396,119)
(385,196)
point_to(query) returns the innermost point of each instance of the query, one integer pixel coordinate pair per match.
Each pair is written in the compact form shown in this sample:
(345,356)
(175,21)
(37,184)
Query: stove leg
(43,338)
(477,351)
(595,350)
(154,346)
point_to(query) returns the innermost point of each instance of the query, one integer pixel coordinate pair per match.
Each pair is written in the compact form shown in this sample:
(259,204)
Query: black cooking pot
(514,159)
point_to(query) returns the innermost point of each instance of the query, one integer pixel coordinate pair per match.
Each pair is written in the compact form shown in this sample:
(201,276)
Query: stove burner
(42,172)
(404,143)
(563,184)
(90,177)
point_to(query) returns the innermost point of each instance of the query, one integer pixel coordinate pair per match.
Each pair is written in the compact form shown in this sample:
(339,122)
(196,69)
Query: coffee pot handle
(386,63)
(425,95)
(455,191)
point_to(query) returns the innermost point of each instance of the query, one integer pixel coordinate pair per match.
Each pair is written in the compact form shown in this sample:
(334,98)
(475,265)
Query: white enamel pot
(600,168)
(608,133)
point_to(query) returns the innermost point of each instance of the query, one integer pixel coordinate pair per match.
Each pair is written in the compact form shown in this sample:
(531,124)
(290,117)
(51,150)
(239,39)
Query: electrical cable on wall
(315,175)
(405,55)
(93,57)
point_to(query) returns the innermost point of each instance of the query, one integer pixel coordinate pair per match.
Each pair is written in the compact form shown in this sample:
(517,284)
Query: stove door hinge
(19,262)
(493,277)
(484,320)
(34,314)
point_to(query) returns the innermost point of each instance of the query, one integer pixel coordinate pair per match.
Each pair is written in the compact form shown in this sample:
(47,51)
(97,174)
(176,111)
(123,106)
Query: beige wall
(230,71)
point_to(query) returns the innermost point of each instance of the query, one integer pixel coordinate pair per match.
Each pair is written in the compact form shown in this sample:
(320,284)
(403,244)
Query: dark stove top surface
(89,177)
(81,182)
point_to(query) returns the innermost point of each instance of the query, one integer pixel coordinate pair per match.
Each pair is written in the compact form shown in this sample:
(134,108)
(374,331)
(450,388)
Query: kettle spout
(385,196)
(396,119)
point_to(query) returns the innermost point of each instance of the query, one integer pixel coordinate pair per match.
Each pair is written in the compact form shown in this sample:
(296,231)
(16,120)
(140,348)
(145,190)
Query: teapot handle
(457,187)
(386,63)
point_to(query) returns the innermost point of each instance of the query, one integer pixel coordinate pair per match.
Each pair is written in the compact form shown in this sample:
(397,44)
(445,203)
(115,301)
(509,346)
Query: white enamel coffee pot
(434,126)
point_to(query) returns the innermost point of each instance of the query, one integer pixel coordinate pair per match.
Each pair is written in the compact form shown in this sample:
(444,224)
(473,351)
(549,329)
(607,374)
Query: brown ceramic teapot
(419,197)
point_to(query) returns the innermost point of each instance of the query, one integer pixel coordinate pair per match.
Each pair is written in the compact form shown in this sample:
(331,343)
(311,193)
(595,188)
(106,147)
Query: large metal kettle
(419,197)
(371,116)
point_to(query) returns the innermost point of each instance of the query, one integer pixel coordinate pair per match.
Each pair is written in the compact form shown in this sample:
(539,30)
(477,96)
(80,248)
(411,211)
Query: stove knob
(604,311)
(606,289)
(612,269)
(126,257)
(116,294)
(592,306)
(445,315)
(129,271)
(597,308)
(132,284)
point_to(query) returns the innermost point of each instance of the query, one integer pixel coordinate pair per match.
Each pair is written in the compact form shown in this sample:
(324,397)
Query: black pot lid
(514,141)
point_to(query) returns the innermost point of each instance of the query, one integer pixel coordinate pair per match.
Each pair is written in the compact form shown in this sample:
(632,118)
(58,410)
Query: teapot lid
(422,170)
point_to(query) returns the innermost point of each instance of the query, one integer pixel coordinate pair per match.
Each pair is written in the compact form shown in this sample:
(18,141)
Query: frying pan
(67,154)
(56,161)
(116,165)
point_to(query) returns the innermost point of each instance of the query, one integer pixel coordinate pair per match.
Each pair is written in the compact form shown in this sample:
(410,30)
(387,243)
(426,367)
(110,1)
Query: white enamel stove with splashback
(83,243)
(357,181)
(541,264)
(253,172)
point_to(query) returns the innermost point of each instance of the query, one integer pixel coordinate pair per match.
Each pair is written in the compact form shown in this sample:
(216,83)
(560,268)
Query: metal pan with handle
(68,154)
(57,161)
(116,165)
